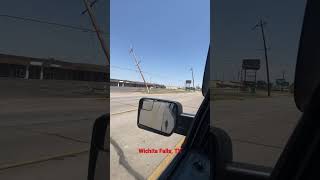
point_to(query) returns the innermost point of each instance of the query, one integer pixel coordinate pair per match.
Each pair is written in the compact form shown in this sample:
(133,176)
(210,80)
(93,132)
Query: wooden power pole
(97,30)
(137,64)
(261,25)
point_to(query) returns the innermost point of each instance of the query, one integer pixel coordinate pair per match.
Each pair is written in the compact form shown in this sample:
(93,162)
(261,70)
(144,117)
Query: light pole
(191,69)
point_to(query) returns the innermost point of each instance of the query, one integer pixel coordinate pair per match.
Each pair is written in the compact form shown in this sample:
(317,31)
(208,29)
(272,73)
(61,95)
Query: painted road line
(163,165)
(14,165)
(122,112)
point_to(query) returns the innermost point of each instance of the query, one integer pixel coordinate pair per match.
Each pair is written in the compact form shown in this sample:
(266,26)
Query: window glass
(52,87)
(259,125)
(168,41)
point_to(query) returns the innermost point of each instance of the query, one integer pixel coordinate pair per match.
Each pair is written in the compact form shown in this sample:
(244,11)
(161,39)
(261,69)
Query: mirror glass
(158,115)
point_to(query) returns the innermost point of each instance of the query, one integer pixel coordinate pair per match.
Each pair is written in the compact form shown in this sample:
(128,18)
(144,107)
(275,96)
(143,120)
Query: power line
(97,30)
(151,74)
(163,78)
(91,5)
(49,23)
(122,68)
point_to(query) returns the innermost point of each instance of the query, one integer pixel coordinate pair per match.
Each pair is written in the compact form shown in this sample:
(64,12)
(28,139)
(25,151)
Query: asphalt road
(258,127)
(48,137)
(127,138)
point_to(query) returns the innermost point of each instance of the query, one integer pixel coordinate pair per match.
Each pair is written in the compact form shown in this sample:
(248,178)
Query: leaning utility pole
(261,24)
(137,64)
(192,79)
(95,25)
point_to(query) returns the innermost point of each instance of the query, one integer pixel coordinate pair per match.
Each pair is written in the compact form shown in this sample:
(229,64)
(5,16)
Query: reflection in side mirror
(158,115)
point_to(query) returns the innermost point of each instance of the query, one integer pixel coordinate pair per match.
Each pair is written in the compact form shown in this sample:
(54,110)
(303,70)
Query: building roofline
(48,62)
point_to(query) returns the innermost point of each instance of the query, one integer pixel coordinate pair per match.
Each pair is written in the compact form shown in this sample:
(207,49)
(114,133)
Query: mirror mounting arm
(183,123)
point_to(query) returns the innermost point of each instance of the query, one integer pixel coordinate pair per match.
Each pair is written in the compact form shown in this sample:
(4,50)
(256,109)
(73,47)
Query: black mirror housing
(99,149)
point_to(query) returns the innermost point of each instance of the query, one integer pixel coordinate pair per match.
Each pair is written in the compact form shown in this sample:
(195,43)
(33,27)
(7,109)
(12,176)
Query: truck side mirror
(158,116)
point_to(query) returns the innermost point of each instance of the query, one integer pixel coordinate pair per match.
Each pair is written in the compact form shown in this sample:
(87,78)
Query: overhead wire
(35,20)
(150,74)
(40,21)
(27,19)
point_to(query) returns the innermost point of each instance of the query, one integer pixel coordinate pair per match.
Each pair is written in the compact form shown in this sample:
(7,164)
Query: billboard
(253,64)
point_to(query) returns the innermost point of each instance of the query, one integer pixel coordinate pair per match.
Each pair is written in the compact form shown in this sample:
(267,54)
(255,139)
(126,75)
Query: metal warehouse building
(127,83)
(36,68)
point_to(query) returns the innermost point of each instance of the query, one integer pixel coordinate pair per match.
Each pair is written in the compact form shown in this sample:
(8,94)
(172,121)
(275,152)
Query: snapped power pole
(138,66)
(261,25)
(96,27)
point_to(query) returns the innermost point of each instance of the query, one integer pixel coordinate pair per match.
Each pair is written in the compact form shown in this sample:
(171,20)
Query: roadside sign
(253,64)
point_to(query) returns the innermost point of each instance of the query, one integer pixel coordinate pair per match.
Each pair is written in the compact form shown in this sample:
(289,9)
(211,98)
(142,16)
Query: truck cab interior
(300,157)
(207,150)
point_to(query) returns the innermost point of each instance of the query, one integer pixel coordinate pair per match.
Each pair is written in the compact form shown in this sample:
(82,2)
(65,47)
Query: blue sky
(169,37)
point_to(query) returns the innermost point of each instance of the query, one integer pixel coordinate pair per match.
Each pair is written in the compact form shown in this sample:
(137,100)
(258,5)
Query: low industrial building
(13,66)
(127,83)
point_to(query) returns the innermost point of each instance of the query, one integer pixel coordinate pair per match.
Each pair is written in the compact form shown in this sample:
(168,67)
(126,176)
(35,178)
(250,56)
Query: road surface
(48,137)
(126,138)
(259,127)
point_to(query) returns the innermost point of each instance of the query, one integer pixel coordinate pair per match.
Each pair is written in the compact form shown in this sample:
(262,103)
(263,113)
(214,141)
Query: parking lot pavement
(259,127)
(33,129)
